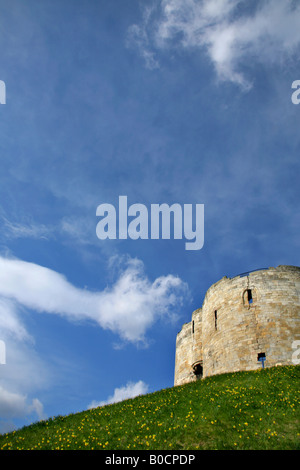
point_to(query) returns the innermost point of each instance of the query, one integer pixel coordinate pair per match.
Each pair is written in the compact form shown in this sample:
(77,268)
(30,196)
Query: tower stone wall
(243,321)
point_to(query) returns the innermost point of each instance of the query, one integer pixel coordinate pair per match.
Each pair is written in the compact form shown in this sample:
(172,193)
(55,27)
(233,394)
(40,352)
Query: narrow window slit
(249,295)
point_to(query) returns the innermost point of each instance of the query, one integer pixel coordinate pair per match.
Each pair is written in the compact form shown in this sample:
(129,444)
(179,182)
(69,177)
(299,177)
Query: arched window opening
(248,298)
(198,369)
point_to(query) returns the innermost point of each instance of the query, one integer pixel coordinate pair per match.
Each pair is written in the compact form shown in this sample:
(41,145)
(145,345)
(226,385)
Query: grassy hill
(244,410)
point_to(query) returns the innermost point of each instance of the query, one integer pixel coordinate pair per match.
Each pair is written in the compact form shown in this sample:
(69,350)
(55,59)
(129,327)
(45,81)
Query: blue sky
(163,101)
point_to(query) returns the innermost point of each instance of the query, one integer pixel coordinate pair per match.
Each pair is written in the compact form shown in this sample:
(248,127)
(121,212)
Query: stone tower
(245,323)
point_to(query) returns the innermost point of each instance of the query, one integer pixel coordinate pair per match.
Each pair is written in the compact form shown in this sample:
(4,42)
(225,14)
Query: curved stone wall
(243,321)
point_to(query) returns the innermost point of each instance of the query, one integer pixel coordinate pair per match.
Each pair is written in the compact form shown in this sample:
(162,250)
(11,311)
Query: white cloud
(21,373)
(14,404)
(226,30)
(130,390)
(128,308)
(10,323)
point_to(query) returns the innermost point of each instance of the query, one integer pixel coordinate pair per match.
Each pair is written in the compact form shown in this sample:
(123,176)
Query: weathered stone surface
(239,319)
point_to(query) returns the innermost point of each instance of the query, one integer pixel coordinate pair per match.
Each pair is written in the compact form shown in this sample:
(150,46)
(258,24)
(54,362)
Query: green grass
(244,410)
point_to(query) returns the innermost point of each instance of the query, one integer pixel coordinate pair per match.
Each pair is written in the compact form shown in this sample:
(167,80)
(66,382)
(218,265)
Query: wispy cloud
(226,30)
(130,390)
(80,229)
(26,229)
(128,308)
(139,37)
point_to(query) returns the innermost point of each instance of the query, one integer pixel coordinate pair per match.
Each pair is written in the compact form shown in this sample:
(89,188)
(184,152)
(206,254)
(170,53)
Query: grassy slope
(245,410)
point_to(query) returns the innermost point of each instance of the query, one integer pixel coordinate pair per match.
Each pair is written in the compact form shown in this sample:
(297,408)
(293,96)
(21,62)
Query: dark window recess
(249,296)
(216,319)
(260,356)
(193,327)
(198,370)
